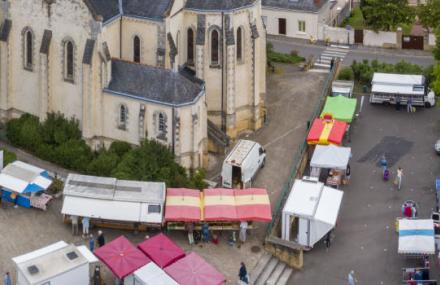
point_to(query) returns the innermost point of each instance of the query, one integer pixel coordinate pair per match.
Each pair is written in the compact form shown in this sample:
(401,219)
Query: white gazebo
(330,157)
(311,210)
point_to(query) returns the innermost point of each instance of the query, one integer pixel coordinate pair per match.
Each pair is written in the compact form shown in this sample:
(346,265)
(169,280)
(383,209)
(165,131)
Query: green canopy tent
(340,107)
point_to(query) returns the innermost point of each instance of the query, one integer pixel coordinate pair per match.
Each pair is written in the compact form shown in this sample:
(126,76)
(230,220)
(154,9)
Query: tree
(429,14)
(386,15)
(436,51)
(436,82)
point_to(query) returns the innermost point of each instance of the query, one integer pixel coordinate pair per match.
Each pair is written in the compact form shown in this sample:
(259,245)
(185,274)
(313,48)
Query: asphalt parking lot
(291,98)
(365,239)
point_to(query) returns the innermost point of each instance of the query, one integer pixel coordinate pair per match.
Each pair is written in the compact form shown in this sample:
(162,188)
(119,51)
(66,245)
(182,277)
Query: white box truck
(242,163)
(342,88)
(388,88)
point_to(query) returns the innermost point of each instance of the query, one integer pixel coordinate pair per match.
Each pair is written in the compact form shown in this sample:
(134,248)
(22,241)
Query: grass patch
(356,19)
(292,58)
(8,157)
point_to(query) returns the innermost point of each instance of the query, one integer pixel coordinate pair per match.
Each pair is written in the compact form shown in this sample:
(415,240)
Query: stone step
(315,70)
(259,268)
(285,276)
(267,271)
(273,279)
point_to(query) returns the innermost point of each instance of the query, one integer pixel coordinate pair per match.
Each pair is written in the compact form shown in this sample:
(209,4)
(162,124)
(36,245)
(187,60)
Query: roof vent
(33,269)
(72,255)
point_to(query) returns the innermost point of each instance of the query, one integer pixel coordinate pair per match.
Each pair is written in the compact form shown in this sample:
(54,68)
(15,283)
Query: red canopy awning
(219,205)
(182,205)
(121,257)
(161,250)
(326,131)
(253,205)
(194,270)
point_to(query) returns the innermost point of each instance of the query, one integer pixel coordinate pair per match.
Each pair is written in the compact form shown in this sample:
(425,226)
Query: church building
(134,69)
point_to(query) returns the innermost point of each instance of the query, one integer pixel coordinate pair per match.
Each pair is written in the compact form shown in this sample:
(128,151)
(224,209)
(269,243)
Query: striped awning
(325,131)
(183,205)
(416,236)
(253,205)
(219,205)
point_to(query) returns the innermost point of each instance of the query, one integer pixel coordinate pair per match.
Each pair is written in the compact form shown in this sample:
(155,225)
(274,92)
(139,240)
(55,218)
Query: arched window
(136,49)
(122,116)
(69,60)
(214,47)
(161,122)
(240,44)
(28,49)
(190,47)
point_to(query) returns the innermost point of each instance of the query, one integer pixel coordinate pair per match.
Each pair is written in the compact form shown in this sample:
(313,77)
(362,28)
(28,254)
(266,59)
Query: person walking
(398,103)
(409,105)
(85,226)
(7,279)
(242,274)
(351,279)
(243,232)
(399,176)
(101,239)
(205,232)
(327,240)
(74,220)
(189,227)
(91,243)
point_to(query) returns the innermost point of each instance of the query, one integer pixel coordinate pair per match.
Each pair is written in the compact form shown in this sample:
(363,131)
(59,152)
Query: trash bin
(365,88)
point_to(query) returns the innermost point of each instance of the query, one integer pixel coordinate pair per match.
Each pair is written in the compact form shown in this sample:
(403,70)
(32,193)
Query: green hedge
(363,71)
(8,157)
(58,140)
(273,56)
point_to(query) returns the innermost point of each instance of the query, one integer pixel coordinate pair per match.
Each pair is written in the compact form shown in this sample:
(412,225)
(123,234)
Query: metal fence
(276,211)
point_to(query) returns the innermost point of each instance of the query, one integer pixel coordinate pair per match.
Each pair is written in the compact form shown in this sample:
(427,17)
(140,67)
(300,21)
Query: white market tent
(56,264)
(151,274)
(330,156)
(23,178)
(404,84)
(416,237)
(312,208)
(115,200)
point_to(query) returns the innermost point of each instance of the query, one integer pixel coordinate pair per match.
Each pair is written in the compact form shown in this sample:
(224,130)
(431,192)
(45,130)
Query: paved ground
(291,99)
(365,238)
(358,53)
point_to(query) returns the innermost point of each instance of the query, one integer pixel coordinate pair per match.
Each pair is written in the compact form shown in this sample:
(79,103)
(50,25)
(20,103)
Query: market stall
(253,204)
(334,158)
(151,274)
(24,185)
(161,250)
(340,107)
(219,205)
(193,270)
(310,212)
(416,237)
(183,205)
(121,257)
(326,131)
(140,204)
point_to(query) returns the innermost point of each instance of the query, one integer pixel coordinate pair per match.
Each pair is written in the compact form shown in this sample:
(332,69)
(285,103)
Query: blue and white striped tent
(23,178)
(416,237)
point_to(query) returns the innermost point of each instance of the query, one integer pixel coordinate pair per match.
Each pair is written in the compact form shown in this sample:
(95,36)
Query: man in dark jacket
(101,239)
(243,273)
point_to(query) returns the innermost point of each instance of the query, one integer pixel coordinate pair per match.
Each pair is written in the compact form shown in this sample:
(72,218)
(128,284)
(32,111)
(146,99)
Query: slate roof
(106,8)
(152,9)
(45,42)
(153,84)
(303,5)
(88,51)
(5,29)
(217,5)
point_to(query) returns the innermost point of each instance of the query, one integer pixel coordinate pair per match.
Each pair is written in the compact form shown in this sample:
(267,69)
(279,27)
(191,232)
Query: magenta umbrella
(161,250)
(121,257)
(194,270)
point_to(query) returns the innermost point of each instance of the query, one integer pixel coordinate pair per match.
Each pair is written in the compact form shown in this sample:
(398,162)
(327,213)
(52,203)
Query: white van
(242,163)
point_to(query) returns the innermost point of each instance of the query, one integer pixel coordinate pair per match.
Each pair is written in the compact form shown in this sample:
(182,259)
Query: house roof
(152,9)
(154,84)
(106,8)
(303,5)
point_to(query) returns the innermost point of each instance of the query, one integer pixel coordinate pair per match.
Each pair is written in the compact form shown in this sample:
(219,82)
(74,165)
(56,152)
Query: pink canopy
(253,205)
(182,205)
(219,205)
(194,270)
(121,257)
(161,250)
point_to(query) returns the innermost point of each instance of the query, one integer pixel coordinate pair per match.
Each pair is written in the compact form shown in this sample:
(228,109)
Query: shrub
(56,129)
(120,148)
(73,154)
(104,164)
(8,157)
(346,73)
(56,186)
(24,132)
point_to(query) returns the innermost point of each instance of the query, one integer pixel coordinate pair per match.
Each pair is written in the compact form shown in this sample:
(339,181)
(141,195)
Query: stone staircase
(270,271)
(217,135)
